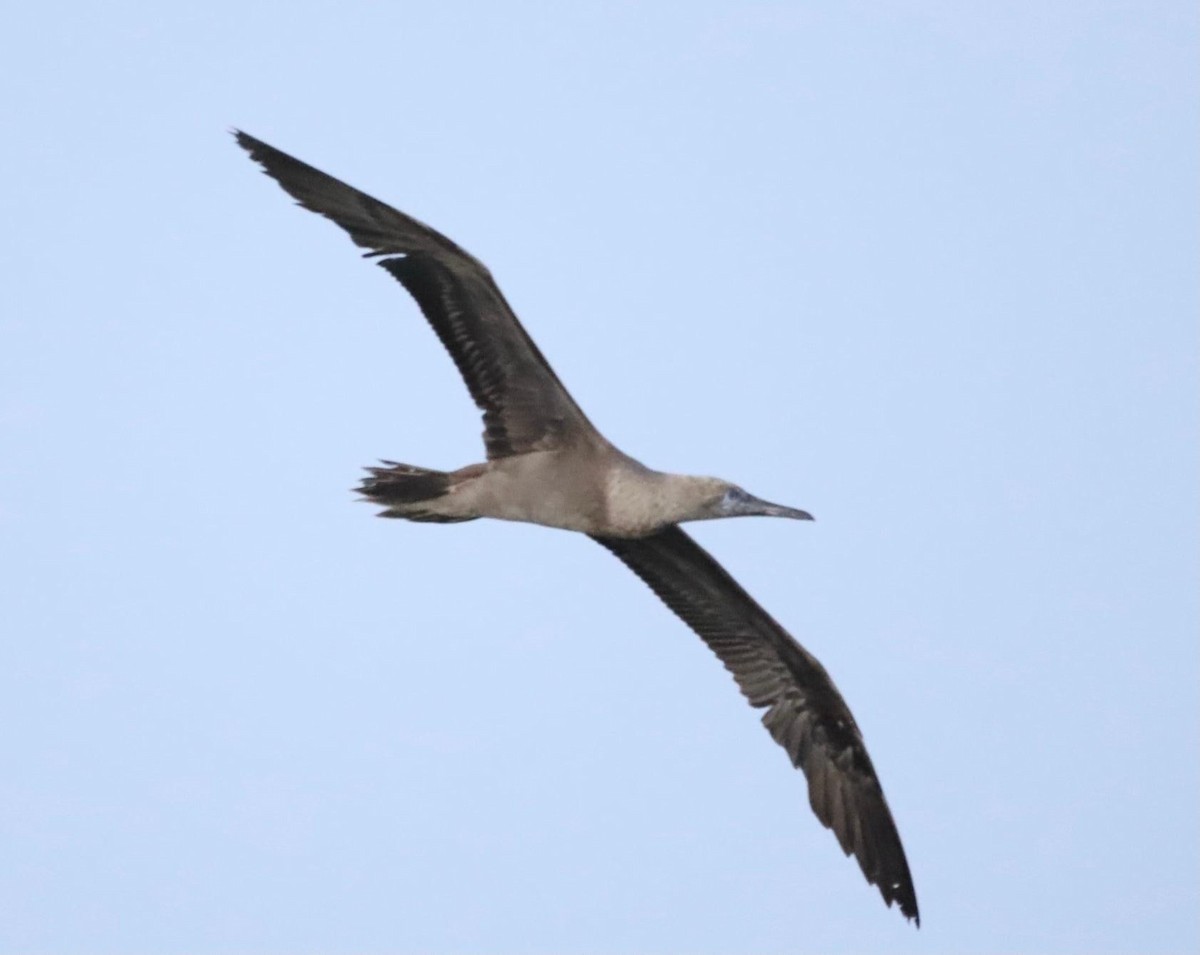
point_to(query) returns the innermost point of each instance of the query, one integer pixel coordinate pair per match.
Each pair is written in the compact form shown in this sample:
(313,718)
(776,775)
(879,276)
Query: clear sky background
(927,269)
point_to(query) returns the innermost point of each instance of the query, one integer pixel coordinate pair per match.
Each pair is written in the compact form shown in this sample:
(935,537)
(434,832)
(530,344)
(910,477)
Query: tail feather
(403,484)
(403,488)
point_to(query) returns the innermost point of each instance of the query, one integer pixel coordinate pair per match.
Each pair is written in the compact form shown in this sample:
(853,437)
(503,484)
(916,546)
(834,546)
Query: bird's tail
(409,492)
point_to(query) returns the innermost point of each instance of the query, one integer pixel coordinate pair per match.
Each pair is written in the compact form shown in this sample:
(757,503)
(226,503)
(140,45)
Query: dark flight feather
(525,407)
(805,712)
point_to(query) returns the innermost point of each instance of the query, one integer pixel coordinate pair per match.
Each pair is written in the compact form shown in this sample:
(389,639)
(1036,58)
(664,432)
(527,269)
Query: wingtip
(902,894)
(906,902)
(255,147)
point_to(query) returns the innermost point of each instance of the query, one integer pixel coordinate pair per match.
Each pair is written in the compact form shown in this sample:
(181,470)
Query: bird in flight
(546,464)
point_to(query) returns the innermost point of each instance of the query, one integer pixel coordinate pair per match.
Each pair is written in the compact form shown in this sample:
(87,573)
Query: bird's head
(717,498)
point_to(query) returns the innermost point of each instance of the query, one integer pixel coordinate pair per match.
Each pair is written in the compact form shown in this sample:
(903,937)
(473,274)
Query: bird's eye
(735,495)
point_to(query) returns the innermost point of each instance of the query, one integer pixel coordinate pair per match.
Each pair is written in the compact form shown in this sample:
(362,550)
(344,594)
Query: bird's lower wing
(805,713)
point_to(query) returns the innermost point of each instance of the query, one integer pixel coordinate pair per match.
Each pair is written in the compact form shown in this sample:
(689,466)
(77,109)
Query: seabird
(546,464)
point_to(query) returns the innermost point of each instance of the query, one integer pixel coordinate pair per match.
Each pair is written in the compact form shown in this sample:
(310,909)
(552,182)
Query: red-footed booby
(546,464)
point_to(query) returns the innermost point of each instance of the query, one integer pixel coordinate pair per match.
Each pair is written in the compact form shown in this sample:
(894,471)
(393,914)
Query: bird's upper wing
(525,407)
(805,712)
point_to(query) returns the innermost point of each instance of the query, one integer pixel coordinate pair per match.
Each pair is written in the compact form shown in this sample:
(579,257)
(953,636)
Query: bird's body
(546,464)
(590,489)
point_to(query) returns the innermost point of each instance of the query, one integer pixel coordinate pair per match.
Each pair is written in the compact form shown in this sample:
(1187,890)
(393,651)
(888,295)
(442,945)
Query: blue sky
(924,269)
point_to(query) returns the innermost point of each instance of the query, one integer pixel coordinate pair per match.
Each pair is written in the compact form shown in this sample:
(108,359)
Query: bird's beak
(754,507)
(778,510)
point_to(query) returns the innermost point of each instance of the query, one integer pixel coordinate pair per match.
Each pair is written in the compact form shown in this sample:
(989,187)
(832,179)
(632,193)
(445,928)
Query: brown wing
(805,712)
(525,407)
